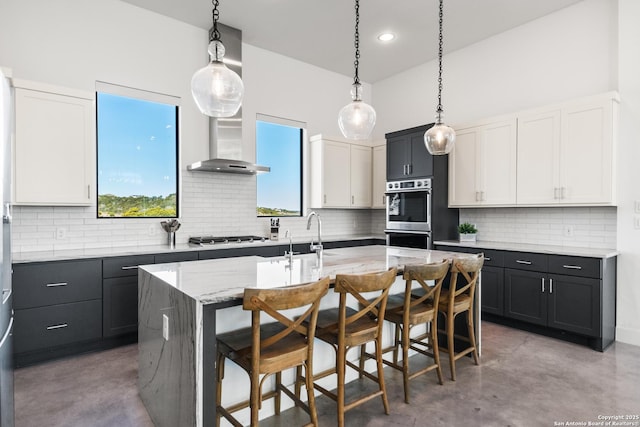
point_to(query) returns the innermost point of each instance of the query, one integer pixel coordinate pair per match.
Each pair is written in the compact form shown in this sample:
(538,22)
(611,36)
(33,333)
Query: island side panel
(166,368)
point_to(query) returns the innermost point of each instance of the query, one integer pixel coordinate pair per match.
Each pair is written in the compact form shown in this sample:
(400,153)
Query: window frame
(143,95)
(302,127)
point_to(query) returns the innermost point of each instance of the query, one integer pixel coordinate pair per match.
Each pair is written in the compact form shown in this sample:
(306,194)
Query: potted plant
(467,232)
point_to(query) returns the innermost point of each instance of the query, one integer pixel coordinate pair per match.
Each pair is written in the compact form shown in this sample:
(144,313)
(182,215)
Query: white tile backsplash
(212,204)
(593,227)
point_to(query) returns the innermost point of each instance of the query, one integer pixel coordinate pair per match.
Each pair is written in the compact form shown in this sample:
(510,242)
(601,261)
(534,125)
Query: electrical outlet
(165,327)
(61,233)
(568,231)
(153,228)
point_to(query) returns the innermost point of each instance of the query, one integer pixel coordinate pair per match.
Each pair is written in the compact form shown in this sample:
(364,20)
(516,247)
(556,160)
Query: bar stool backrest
(358,284)
(469,268)
(423,273)
(274,301)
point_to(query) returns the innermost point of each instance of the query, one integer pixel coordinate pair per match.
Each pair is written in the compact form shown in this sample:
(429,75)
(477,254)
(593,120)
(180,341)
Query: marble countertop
(68,254)
(543,249)
(219,280)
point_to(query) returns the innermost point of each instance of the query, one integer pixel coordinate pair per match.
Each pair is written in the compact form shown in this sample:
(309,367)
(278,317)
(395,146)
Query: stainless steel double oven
(408,221)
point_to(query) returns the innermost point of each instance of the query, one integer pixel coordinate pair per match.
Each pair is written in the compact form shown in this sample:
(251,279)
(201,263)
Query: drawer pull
(573,267)
(550,286)
(129,267)
(543,285)
(60,326)
(487,258)
(55,285)
(519,261)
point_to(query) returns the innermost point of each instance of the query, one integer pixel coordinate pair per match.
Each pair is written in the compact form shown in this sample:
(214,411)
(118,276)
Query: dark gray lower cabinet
(492,290)
(551,293)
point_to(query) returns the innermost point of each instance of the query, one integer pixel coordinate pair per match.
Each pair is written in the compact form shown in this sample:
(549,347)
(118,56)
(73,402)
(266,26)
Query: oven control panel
(409,185)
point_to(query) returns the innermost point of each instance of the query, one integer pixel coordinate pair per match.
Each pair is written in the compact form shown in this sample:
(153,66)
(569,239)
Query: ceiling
(321,32)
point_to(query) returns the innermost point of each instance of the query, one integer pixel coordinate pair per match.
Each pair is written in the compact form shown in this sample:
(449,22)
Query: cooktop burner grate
(211,240)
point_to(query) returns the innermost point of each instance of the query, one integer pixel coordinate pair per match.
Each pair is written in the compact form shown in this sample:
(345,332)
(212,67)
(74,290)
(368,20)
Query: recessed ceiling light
(385,37)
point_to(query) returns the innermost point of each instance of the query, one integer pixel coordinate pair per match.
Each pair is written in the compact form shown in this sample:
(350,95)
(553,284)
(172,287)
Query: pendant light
(440,138)
(357,119)
(216,89)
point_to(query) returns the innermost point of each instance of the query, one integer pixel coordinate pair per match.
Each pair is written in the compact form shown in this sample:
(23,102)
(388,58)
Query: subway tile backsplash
(212,204)
(224,204)
(593,227)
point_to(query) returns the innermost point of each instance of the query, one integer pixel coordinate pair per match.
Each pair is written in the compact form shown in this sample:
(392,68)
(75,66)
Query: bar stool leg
(311,398)
(278,392)
(396,339)
(341,362)
(451,348)
(405,361)
(433,337)
(255,398)
(383,387)
(472,335)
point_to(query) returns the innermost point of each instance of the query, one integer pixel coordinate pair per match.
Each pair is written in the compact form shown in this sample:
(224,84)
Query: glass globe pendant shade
(440,139)
(357,119)
(216,89)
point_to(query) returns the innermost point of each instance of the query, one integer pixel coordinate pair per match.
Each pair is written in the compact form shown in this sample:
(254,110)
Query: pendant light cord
(356,79)
(214,34)
(439,109)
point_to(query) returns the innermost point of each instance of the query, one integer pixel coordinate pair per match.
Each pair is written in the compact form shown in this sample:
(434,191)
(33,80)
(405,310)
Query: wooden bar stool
(459,298)
(265,349)
(345,328)
(407,311)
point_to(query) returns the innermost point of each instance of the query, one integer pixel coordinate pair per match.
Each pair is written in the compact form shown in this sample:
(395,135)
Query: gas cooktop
(211,240)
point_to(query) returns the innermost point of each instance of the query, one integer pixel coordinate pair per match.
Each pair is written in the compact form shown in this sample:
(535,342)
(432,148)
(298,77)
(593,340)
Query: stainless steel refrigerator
(6,307)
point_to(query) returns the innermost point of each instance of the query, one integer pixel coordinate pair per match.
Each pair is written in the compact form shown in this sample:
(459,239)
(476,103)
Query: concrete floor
(523,380)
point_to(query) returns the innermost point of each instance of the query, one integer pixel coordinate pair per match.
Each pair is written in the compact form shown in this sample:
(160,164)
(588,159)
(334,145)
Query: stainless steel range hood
(225,134)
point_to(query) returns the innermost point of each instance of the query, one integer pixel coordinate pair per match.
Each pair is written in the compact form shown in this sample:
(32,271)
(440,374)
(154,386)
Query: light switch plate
(165,327)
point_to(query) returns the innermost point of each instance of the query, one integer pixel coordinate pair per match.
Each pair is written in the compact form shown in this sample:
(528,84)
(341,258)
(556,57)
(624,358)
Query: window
(137,153)
(279,146)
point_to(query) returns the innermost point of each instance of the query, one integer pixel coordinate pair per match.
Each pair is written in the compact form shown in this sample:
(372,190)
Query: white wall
(585,49)
(73,43)
(628,322)
(563,55)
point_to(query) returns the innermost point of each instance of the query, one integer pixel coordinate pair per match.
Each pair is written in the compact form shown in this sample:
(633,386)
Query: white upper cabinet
(341,174)
(566,153)
(482,165)
(54,150)
(379,177)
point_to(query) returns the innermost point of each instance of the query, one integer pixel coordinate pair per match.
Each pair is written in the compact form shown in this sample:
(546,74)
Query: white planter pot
(470,237)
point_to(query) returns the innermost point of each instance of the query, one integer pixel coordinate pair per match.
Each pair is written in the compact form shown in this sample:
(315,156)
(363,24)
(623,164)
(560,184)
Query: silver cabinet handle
(384,201)
(550,286)
(487,258)
(60,326)
(325,198)
(353,200)
(410,168)
(129,267)
(55,285)
(405,170)
(543,285)
(89,191)
(572,267)
(519,261)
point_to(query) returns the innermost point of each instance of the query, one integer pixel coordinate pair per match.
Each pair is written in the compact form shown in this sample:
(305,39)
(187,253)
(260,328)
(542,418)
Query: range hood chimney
(225,133)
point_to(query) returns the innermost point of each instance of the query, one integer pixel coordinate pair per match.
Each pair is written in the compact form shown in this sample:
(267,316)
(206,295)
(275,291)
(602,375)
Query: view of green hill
(263,211)
(137,206)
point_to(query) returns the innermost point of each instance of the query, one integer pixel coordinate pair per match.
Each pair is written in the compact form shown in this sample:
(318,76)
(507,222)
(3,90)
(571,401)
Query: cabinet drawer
(526,261)
(176,257)
(124,266)
(44,327)
(575,266)
(59,282)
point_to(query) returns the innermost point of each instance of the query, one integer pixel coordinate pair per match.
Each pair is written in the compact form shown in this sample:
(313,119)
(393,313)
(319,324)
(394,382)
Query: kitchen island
(177,306)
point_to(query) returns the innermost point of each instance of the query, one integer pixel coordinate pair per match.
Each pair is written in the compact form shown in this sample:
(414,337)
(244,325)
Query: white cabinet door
(360,176)
(54,148)
(498,164)
(379,177)
(586,154)
(538,158)
(336,175)
(482,165)
(463,168)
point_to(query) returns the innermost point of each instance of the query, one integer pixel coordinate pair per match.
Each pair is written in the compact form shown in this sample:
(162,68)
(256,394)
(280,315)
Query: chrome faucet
(317,248)
(289,254)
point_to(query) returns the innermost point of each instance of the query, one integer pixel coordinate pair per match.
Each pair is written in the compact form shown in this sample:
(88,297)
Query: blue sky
(136,147)
(279,147)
